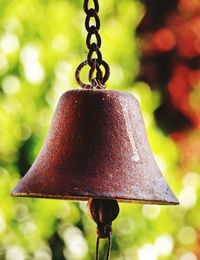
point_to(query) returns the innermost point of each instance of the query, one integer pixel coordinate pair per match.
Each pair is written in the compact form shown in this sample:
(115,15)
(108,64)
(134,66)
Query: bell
(97,148)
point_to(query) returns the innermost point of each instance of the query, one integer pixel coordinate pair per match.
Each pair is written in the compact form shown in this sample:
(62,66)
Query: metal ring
(96,6)
(107,72)
(89,86)
(92,14)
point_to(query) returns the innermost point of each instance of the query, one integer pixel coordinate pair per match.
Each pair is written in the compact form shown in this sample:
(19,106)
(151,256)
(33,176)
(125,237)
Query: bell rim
(87,197)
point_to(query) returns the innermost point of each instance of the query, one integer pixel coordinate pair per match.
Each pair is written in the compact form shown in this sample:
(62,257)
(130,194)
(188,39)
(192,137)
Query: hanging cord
(108,250)
(96,77)
(109,247)
(97,248)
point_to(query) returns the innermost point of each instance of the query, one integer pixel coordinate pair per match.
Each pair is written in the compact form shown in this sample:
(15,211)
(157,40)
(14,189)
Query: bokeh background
(153,48)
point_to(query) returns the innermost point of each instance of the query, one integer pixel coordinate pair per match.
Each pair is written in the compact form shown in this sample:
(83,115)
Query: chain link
(96,77)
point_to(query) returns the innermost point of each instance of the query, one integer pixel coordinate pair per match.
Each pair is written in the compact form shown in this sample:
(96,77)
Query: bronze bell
(96,147)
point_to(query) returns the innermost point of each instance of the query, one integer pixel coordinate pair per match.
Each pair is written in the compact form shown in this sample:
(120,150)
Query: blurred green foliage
(41,43)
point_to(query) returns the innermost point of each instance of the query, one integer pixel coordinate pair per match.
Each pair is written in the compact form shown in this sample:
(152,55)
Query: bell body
(96,147)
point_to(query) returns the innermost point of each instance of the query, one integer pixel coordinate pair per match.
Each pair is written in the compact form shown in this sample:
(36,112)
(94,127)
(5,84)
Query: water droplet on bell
(135,157)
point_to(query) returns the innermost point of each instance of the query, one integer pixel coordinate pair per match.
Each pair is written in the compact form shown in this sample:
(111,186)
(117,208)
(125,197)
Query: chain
(97,77)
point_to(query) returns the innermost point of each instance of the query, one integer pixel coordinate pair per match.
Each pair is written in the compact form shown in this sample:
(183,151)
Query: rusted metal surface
(97,148)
